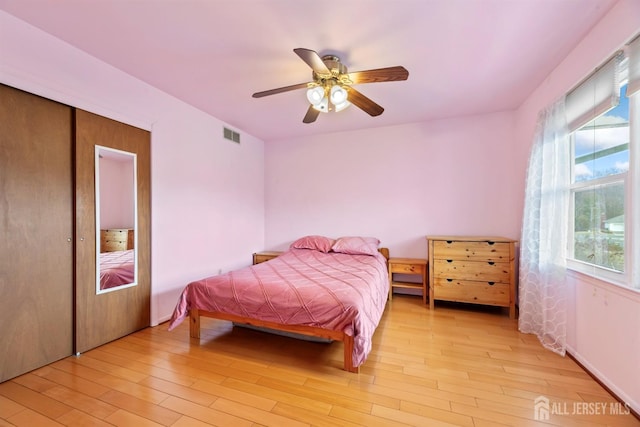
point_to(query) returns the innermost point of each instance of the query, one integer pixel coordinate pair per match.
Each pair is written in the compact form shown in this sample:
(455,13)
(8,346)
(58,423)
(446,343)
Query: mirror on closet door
(116,219)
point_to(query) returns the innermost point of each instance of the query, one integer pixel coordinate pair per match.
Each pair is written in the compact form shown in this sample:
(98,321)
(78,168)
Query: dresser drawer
(484,250)
(113,246)
(490,293)
(488,271)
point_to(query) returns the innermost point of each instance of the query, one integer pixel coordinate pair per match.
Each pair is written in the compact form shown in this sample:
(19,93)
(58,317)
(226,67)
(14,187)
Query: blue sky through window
(605,136)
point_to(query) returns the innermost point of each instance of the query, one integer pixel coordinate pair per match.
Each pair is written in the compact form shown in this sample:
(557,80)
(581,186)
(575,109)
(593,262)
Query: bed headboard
(385,252)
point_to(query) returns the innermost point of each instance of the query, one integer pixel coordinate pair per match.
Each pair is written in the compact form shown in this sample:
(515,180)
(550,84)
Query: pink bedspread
(116,268)
(300,287)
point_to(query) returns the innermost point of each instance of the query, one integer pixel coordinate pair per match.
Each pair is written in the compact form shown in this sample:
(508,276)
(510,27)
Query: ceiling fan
(331,88)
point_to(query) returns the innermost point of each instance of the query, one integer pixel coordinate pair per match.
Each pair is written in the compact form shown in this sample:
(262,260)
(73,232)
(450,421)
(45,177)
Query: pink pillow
(356,245)
(318,243)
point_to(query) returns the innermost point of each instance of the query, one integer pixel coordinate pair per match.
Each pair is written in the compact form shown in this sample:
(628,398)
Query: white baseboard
(600,377)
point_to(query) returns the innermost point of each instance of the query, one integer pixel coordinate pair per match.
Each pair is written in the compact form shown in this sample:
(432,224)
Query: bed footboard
(347,340)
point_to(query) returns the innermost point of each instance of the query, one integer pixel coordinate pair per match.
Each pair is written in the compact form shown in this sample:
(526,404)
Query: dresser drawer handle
(449,242)
(449,260)
(491,283)
(490,243)
(449,280)
(490,262)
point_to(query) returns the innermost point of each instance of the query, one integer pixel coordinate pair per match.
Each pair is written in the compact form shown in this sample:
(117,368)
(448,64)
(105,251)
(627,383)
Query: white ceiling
(464,57)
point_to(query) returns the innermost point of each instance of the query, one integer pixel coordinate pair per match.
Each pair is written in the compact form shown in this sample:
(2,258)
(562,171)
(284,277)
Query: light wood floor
(452,366)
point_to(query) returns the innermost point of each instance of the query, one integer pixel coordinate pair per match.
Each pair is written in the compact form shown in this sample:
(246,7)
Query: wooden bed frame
(312,331)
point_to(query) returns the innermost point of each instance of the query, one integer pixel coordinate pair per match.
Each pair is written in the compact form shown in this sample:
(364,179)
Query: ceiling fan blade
(364,103)
(390,74)
(280,90)
(311,116)
(313,60)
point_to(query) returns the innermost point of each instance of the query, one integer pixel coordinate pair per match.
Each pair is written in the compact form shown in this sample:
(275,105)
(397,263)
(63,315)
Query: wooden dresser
(116,239)
(472,269)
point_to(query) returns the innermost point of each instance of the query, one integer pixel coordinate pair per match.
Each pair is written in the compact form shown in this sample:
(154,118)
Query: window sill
(617,287)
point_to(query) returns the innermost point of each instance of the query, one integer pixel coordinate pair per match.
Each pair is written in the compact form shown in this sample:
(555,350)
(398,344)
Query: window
(599,174)
(603,116)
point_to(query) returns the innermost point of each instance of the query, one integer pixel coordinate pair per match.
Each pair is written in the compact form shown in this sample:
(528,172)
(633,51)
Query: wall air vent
(231,135)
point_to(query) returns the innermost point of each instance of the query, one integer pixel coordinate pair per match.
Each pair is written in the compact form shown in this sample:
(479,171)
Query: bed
(320,287)
(116,268)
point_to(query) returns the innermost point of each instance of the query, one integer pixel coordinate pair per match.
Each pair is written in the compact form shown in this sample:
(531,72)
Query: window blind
(634,67)
(596,95)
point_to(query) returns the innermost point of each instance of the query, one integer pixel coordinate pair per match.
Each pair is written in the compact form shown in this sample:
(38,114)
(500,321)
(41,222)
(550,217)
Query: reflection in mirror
(116,219)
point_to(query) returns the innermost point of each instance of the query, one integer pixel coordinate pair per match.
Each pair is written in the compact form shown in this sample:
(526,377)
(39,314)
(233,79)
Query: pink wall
(396,183)
(207,208)
(604,320)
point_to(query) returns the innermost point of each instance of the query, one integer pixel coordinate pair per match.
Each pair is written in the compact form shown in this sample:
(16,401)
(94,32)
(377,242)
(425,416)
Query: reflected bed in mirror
(116,216)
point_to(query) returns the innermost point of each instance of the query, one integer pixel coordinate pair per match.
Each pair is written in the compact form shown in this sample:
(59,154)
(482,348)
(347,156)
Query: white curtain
(543,295)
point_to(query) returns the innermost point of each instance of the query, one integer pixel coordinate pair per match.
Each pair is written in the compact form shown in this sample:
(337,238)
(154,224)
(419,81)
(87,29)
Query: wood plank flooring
(454,366)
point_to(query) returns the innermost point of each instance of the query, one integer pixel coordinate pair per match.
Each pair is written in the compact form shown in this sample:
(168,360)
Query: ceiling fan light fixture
(338,95)
(341,106)
(323,105)
(315,95)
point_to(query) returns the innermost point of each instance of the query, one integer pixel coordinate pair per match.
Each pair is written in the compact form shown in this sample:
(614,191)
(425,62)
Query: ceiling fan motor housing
(334,65)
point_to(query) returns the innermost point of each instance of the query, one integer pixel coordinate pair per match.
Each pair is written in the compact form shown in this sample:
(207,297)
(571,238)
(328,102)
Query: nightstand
(259,257)
(410,266)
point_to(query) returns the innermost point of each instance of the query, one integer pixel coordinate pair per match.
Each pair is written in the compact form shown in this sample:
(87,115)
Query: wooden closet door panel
(36,219)
(104,317)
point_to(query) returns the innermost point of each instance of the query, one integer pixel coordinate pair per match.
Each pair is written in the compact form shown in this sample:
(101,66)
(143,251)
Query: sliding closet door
(36,223)
(105,316)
